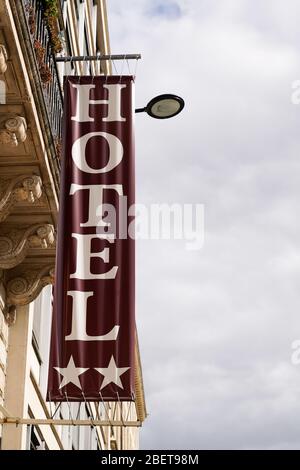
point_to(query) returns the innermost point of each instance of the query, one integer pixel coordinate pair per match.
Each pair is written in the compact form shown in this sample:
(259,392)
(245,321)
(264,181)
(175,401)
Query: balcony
(39,35)
(42,43)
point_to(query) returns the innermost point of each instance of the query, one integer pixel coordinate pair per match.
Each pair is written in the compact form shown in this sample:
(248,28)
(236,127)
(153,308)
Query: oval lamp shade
(164,106)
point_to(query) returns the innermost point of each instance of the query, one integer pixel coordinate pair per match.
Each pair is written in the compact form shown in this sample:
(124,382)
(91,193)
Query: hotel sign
(93,326)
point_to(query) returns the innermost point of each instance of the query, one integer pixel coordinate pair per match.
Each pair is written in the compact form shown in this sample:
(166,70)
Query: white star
(112,373)
(71,373)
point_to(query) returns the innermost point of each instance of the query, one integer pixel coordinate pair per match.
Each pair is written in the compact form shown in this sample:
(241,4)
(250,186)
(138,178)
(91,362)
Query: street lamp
(163,106)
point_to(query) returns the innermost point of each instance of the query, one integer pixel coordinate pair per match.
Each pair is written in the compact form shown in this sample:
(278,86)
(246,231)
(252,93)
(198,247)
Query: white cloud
(216,326)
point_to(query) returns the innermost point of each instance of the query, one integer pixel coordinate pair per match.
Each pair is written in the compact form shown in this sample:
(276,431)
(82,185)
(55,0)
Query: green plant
(55,41)
(31,18)
(58,146)
(51,16)
(39,51)
(45,73)
(50,8)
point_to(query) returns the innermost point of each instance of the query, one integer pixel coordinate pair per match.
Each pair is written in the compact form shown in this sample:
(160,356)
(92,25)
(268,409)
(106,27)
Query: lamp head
(163,106)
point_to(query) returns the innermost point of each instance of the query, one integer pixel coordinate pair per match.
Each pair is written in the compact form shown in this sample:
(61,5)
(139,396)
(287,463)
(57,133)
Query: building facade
(32,33)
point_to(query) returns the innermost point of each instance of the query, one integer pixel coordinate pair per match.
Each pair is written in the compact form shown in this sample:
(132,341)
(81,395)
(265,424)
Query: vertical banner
(93,327)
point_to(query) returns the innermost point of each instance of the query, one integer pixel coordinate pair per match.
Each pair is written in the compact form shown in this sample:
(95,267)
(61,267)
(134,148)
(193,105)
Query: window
(86,51)
(35,439)
(76,10)
(68,67)
(36,443)
(42,316)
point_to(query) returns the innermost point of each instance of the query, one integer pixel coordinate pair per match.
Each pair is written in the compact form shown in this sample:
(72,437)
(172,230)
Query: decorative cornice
(21,188)
(28,283)
(13,131)
(15,244)
(140,403)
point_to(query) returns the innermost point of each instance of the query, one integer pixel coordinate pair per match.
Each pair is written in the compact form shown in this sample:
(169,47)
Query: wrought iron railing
(41,42)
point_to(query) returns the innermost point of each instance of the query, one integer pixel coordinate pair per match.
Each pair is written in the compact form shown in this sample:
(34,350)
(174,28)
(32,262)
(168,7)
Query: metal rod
(88,58)
(68,422)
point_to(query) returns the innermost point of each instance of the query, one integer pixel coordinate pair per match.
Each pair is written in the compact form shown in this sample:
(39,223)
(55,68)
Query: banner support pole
(68,422)
(88,58)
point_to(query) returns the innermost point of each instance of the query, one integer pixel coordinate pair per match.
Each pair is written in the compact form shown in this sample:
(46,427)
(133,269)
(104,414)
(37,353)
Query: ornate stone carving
(43,237)
(26,286)
(15,244)
(10,315)
(21,188)
(3,59)
(13,131)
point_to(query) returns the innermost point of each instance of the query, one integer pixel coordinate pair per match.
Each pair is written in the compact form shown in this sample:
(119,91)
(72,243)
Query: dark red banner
(93,327)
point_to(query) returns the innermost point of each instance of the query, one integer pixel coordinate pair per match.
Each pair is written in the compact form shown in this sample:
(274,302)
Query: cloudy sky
(216,325)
